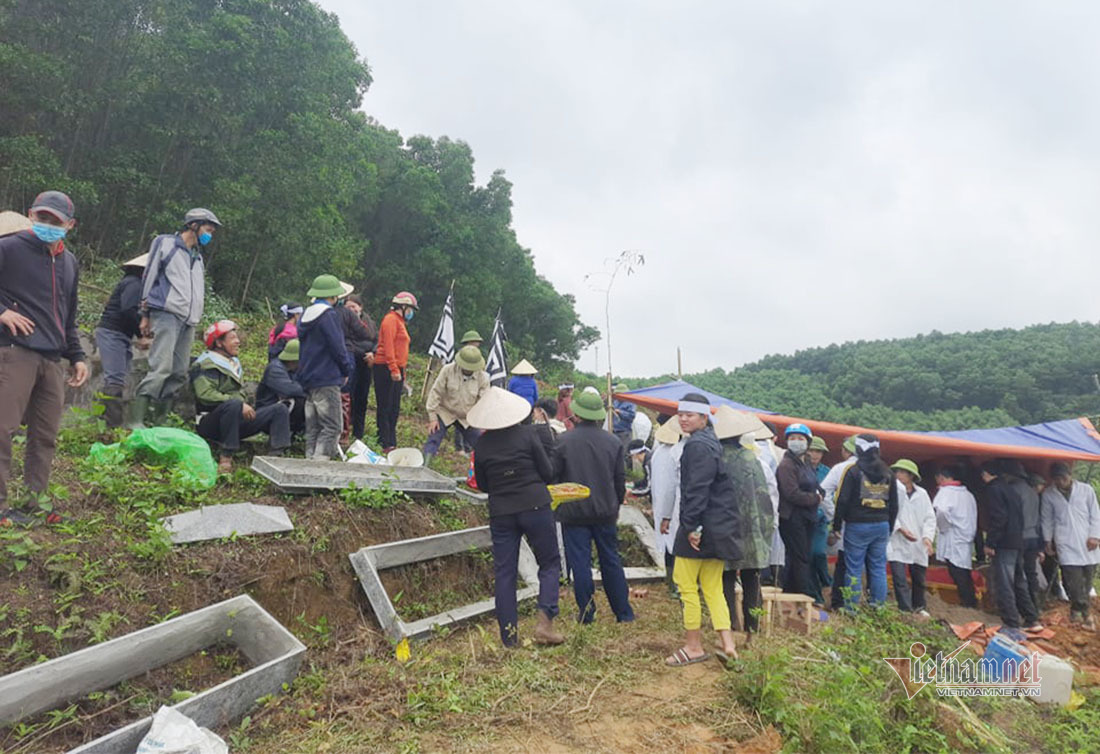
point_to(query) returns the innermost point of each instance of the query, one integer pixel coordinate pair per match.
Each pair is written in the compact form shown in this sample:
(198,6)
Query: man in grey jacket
(171,305)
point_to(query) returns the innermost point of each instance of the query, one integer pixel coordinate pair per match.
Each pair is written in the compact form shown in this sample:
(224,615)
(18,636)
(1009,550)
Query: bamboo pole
(610,406)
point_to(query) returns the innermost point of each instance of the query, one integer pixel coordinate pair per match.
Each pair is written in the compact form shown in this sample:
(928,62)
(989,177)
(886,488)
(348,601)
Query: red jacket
(393,344)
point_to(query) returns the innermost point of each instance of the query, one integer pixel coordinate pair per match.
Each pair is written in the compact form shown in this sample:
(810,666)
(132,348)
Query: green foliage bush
(992,378)
(251,108)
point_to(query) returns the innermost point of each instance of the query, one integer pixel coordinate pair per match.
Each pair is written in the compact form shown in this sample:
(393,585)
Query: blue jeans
(324,422)
(435,439)
(507,530)
(578,555)
(865,544)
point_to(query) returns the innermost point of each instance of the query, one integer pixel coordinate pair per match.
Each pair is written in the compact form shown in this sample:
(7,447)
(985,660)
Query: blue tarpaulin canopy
(1068,439)
(675,390)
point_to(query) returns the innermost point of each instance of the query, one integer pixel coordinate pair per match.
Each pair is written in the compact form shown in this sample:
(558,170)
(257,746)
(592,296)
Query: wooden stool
(773,596)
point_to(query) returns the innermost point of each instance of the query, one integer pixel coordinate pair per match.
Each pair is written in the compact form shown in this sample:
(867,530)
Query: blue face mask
(409,315)
(204,238)
(48,233)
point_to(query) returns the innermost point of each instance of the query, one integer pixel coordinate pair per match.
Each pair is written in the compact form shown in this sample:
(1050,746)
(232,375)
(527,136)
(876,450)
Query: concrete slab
(368,561)
(463,491)
(302,476)
(220,521)
(633,518)
(274,653)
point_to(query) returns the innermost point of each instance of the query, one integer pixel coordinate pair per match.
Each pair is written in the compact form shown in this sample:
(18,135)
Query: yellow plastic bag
(567,492)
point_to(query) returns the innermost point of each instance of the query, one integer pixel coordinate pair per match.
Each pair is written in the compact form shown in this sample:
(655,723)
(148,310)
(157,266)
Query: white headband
(693,407)
(287,311)
(866,445)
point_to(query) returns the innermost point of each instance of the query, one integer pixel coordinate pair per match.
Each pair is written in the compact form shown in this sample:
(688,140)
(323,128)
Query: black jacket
(589,456)
(511,465)
(359,336)
(41,287)
(707,499)
(1006,517)
(121,313)
(798,487)
(861,499)
(277,383)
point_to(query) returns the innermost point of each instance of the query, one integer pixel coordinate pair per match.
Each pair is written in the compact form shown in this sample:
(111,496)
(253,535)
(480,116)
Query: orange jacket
(393,344)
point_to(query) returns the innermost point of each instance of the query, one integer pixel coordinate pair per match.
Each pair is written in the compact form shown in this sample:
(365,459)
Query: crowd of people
(715,514)
(732,511)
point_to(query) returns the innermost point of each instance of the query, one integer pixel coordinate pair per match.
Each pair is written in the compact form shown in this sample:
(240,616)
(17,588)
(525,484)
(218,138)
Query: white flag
(443,346)
(496,365)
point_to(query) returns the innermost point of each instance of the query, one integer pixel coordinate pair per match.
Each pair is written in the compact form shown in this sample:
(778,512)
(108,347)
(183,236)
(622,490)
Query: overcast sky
(797,173)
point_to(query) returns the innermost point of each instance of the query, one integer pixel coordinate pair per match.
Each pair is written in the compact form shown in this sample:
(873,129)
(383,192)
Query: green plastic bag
(187,451)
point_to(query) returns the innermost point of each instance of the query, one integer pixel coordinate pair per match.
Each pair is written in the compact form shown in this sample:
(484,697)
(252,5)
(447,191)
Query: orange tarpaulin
(918,446)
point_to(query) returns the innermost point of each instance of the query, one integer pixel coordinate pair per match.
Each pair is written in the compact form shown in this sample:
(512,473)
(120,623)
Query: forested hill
(140,109)
(935,381)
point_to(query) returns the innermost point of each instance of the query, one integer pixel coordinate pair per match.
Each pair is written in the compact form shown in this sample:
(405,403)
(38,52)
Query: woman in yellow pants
(707,536)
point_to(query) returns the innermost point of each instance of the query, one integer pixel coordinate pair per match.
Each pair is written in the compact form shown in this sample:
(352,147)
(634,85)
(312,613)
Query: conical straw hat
(13,222)
(497,409)
(729,422)
(524,368)
(668,433)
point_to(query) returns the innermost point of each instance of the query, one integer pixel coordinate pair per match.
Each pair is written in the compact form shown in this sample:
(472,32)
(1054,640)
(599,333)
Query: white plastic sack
(358,452)
(641,428)
(175,733)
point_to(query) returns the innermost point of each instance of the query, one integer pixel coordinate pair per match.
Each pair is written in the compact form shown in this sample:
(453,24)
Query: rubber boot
(428,459)
(139,407)
(111,399)
(545,632)
(159,410)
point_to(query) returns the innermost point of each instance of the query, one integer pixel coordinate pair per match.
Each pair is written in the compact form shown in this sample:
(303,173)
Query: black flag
(496,365)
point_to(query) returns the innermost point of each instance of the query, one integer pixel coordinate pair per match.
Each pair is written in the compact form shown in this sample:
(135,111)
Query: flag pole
(427,376)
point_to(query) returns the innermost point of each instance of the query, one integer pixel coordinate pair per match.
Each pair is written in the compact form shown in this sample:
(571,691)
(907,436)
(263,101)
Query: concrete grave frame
(368,561)
(274,653)
(300,476)
(632,517)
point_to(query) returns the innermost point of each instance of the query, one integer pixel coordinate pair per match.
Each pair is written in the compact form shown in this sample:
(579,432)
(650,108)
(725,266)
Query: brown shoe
(225,465)
(544,631)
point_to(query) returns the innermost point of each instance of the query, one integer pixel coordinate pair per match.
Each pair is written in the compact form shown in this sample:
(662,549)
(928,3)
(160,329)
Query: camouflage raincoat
(754,503)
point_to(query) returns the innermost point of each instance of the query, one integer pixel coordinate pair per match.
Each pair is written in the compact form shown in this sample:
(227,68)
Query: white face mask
(797,445)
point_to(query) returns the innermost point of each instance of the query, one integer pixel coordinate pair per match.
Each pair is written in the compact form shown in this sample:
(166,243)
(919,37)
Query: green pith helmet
(620,388)
(470,359)
(471,336)
(291,350)
(589,406)
(906,465)
(325,286)
(850,444)
(818,443)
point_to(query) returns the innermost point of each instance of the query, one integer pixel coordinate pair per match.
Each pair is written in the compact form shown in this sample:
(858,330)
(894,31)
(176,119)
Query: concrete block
(632,517)
(219,521)
(368,561)
(302,476)
(274,653)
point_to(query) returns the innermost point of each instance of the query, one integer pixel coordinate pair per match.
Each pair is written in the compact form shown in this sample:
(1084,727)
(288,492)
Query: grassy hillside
(111,570)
